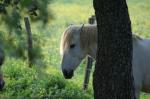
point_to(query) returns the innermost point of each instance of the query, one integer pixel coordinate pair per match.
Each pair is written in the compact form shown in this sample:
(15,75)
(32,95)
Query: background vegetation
(45,80)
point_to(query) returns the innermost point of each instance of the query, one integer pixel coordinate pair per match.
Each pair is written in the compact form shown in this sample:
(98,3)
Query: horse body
(141,64)
(84,40)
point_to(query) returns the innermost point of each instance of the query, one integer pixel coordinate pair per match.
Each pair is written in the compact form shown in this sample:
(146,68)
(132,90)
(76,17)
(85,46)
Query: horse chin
(68,76)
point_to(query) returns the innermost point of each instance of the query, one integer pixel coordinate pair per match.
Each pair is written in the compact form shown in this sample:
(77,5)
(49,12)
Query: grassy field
(47,81)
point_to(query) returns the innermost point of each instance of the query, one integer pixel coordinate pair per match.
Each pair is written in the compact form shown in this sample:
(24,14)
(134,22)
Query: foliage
(17,47)
(12,12)
(24,82)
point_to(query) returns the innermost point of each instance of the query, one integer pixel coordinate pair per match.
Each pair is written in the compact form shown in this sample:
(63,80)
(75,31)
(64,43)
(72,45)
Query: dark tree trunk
(30,45)
(113,78)
(2,57)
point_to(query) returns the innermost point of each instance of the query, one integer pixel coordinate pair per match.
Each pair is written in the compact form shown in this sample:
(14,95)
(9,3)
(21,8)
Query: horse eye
(72,45)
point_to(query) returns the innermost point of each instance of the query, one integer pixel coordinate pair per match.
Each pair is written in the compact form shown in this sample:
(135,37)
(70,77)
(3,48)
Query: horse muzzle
(68,74)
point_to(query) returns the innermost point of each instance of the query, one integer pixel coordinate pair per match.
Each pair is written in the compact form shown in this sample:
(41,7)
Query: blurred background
(48,20)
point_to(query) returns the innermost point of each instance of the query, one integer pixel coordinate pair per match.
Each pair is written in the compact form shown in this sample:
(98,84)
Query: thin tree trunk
(113,78)
(2,57)
(87,72)
(30,46)
(88,69)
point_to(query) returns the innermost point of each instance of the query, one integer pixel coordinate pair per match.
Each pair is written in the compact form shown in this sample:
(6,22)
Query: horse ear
(80,29)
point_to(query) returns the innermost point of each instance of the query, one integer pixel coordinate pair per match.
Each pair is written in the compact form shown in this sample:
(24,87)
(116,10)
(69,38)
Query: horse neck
(92,51)
(90,40)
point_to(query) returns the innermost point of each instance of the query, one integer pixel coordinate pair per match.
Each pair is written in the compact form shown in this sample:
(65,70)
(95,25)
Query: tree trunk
(2,57)
(113,78)
(30,45)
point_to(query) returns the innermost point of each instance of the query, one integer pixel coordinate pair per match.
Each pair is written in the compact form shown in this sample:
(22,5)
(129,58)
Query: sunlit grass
(140,16)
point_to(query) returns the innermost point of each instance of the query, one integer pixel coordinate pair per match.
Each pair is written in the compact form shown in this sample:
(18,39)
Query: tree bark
(113,78)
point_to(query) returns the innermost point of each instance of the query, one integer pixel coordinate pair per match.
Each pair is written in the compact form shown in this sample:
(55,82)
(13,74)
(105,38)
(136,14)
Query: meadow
(46,80)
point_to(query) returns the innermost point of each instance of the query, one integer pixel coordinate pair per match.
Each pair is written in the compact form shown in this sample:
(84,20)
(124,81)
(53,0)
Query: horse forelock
(66,38)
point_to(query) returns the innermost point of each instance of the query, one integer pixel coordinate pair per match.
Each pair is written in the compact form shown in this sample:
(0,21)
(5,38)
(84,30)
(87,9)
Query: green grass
(48,81)
(24,82)
(140,16)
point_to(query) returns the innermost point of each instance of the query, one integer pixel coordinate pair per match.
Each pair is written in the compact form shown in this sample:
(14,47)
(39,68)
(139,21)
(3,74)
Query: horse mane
(66,38)
(88,36)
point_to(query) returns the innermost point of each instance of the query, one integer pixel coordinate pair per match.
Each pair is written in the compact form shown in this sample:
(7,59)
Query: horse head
(71,51)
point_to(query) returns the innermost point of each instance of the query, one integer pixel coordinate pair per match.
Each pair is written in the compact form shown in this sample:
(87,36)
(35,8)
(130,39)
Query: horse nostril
(2,83)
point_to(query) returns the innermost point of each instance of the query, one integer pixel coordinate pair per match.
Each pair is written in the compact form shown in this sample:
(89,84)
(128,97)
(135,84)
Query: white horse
(79,41)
